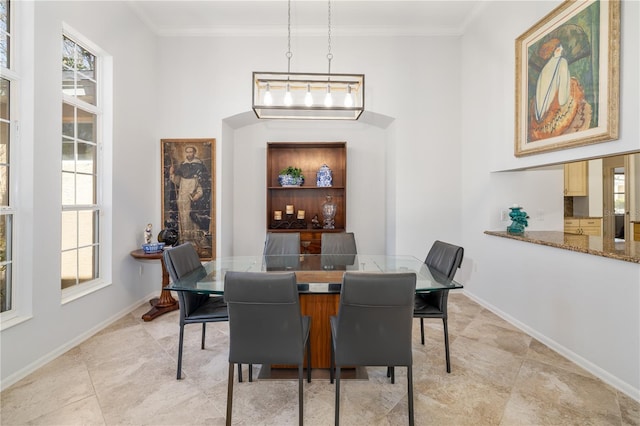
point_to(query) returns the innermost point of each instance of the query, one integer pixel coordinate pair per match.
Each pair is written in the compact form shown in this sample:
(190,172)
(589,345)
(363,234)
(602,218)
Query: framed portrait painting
(567,78)
(188,192)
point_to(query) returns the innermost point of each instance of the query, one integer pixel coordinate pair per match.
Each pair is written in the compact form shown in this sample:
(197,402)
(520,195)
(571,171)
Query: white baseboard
(24,372)
(603,375)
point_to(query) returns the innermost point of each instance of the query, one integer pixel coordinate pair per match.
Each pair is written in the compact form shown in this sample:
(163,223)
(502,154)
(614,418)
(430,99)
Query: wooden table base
(165,303)
(158,307)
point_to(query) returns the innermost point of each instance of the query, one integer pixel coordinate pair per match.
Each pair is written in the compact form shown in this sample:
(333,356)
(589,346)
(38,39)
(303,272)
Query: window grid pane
(80,217)
(5,34)
(7,216)
(6,263)
(78,72)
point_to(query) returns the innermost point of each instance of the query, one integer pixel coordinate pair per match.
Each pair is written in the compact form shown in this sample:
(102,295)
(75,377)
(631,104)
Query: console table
(165,303)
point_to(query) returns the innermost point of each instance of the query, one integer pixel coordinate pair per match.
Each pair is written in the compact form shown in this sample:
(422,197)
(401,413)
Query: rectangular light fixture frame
(339,85)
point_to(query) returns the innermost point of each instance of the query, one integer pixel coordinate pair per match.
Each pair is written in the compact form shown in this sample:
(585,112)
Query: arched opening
(241,177)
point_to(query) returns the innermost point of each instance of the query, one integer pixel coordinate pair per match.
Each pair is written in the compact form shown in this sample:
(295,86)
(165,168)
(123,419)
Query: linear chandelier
(310,96)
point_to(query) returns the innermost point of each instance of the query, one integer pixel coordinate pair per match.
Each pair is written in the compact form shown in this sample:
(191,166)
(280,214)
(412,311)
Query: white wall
(413,81)
(584,306)
(53,327)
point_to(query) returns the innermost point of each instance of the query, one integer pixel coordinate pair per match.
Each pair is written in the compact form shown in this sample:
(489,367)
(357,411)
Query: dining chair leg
(229,394)
(308,362)
(392,374)
(239,373)
(180,339)
(422,330)
(300,398)
(250,372)
(332,365)
(446,344)
(410,393)
(204,331)
(337,419)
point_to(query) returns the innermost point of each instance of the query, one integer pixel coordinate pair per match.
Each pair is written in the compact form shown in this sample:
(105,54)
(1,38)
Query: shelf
(308,156)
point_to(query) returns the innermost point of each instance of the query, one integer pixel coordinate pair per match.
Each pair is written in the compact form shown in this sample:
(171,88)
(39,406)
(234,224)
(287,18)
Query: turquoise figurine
(518,221)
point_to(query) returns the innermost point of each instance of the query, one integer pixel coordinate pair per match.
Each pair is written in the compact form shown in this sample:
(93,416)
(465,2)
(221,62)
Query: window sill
(77,292)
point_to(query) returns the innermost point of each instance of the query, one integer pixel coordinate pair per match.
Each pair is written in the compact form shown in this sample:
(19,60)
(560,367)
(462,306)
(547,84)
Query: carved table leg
(165,303)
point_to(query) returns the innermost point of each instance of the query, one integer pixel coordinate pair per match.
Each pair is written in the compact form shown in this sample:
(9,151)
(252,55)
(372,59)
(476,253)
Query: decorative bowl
(288,180)
(153,248)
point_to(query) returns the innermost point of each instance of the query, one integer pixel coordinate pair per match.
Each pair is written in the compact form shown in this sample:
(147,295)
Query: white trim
(79,291)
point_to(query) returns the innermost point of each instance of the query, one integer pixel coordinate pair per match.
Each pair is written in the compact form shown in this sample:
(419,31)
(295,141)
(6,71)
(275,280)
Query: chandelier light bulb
(268,99)
(348,99)
(308,99)
(328,100)
(288,99)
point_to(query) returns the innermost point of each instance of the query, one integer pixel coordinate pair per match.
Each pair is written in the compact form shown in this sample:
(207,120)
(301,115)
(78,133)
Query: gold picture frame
(188,192)
(567,78)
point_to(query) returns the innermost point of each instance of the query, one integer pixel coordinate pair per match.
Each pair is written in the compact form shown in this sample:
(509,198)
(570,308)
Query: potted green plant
(291,176)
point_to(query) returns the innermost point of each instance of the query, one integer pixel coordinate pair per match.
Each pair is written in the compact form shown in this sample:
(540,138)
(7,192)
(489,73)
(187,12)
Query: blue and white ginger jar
(324,176)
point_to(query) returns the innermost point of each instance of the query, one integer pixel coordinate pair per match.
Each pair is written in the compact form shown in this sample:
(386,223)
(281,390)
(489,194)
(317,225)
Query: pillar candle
(289,209)
(277,215)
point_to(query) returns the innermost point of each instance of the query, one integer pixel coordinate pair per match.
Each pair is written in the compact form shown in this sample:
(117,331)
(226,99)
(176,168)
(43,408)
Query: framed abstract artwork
(567,78)
(188,192)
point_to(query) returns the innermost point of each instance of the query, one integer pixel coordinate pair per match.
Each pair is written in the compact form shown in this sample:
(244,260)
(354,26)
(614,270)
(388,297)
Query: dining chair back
(443,260)
(373,326)
(338,243)
(280,249)
(338,249)
(266,325)
(282,243)
(180,261)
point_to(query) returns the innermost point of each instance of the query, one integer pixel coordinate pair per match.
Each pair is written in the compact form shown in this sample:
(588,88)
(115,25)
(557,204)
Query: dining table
(319,279)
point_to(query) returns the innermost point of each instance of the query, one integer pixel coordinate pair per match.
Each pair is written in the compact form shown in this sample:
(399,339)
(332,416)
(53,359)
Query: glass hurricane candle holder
(329,213)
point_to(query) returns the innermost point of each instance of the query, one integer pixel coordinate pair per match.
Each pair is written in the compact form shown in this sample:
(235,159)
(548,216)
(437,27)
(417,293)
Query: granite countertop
(628,251)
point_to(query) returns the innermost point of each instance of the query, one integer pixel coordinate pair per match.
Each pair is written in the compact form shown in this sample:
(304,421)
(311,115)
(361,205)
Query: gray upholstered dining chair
(266,325)
(338,249)
(194,307)
(279,248)
(373,326)
(443,260)
(338,243)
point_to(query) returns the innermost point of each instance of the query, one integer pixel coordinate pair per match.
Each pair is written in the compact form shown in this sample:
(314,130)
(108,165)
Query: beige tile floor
(125,375)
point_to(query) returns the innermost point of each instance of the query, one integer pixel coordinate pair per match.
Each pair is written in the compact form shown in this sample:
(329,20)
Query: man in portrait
(192,195)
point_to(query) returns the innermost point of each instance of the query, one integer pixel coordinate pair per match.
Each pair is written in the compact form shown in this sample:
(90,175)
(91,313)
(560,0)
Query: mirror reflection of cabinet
(583,226)
(576,182)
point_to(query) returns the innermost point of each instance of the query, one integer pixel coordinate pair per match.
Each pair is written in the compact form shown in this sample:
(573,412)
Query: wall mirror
(607,190)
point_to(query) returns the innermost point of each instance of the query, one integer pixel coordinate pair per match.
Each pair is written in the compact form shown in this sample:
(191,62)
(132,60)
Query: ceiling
(308,17)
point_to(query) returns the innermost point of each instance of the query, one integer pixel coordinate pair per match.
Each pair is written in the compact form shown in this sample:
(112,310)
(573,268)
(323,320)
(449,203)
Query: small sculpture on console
(519,220)
(147,233)
(315,222)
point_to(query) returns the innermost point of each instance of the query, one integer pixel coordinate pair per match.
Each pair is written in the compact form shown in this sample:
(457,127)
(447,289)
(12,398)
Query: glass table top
(315,273)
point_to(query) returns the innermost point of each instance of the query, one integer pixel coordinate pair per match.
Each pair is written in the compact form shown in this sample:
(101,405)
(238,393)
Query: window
(81,207)
(7,210)
(618,191)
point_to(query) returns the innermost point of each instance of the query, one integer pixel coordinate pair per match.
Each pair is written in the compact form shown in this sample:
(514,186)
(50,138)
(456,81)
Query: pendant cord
(289,54)
(329,54)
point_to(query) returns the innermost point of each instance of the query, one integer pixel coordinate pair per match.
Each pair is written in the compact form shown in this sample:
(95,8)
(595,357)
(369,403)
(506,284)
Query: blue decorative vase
(518,221)
(324,176)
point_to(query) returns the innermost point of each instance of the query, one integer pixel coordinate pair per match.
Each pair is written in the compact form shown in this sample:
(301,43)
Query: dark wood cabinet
(308,156)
